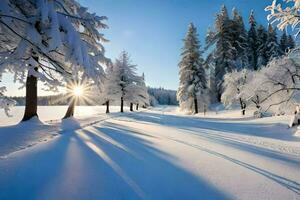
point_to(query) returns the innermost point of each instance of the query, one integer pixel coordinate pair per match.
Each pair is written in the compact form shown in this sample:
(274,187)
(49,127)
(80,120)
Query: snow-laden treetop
(50,37)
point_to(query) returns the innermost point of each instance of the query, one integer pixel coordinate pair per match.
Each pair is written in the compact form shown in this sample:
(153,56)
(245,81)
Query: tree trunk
(122,104)
(242,106)
(196,105)
(131,107)
(257,102)
(137,106)
(243,112)
(71,108)
(107,106)
(31,98)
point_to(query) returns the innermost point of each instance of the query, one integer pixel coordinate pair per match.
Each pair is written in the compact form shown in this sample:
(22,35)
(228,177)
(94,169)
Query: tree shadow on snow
(209,130)
(288,183)
(132,168)
(100,163)
(274,131)
(30,174)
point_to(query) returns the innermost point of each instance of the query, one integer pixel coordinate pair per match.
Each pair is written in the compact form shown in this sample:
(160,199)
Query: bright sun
(78,91)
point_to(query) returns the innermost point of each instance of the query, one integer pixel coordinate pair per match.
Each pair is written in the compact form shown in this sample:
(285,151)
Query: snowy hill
(151,154)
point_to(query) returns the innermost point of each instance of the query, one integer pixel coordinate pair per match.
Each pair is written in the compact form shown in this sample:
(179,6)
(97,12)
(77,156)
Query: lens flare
(83,91)
(78,91)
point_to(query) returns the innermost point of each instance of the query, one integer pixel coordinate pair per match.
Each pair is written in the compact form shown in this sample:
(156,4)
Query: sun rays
(82,91)
(78,91)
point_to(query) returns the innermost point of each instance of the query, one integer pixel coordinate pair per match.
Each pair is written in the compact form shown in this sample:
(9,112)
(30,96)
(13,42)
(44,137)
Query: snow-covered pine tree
(111,89)
(51,41)
(262,36)
(283,43)
(128,78)
(162,96)
(273,50)
(252,43)
(191,72)
(291,42)
(210,66)
(142,96)
(224,52)
(239,40)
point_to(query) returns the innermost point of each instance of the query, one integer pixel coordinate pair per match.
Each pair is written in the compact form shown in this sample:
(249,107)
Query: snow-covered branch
(284,16)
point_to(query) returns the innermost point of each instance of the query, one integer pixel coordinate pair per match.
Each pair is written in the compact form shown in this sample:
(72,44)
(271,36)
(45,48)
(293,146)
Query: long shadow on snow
(149,172)
(27,176)
(221,139)
(288,183)
(200,128)
(273,131)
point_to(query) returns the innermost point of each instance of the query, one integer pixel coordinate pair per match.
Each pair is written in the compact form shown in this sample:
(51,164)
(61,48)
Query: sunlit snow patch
(70,124)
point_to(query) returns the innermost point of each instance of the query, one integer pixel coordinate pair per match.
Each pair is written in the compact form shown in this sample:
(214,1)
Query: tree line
(230,47)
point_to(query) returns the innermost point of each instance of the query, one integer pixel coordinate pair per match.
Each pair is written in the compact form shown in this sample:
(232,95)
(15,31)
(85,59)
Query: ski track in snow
(154,155)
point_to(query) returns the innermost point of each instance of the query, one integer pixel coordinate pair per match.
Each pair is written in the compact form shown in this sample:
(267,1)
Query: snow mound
(70,124)
(24,135)
(297,134)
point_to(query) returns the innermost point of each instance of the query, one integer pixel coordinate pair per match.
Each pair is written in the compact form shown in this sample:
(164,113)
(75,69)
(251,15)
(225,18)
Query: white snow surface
(151,154)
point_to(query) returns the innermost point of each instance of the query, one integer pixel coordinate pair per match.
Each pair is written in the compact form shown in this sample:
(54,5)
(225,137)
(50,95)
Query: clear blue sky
(152,31)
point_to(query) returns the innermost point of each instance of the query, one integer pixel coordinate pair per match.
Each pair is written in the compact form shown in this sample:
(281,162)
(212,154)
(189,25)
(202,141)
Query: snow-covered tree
(284,13)
(262,37)
(162,96)
(228,40)
(127,79)
(211,83)
(5,102)
(233,83)
(252,43)
(273,50)
(287,43)
(111,88)
(191,72)
(276,87)
(239,40)
(253,93)
(51,41)
(122,84)
(291,44)
(284,81)
(142,96)
(283,43)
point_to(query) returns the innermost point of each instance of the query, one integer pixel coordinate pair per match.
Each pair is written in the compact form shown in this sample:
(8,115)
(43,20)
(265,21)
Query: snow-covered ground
(152,154)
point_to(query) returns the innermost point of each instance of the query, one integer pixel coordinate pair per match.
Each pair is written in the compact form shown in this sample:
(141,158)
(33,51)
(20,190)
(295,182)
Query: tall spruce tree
(291,42)
(283,43)
(262,56)
(239,40)
(225,52)
(252,42)
(191,71)
(274,50)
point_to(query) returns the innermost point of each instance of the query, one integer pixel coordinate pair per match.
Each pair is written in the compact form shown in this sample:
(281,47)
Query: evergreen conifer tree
(191,72)
(252,43)
(274,50)
(262,37)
